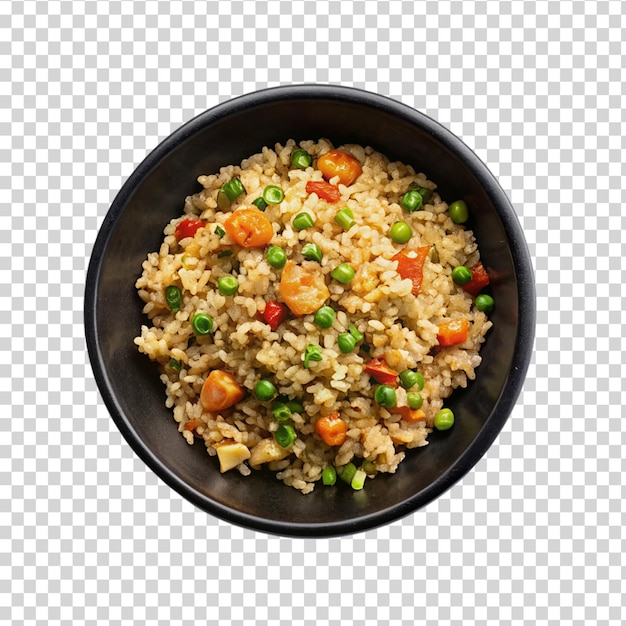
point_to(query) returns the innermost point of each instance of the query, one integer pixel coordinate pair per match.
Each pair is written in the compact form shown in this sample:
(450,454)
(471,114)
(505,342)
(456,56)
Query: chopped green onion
(312,353)
(411,200)
(347,472)
(202,324)
(301,159)
(358,480)
(222,200)
(343,273)
(281,412)
(228,285)
(173,297)
(345,218)
(312,252)
(276,257)
(175,365)
(285,435)
(294,406)
(368,467)
(260,204)
(233,189)
(264,390)
(273,194)
(219,231)
(303,220)
(329,476)
(385,395)
(222,254)
(346,342)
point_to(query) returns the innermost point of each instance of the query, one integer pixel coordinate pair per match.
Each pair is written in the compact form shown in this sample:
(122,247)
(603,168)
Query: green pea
(228,285)
(302,221)
(347,472)
(444,419)
(410,378)
(400,232)
(285,435)
(343,273)
(385,395)
(312,252)
(354,331)
(173,297)
(276,257)
(461,275)
(458,212)
(411,200)
(301,159)
(484,302)
(329,476)
(264,390)
(202,324)
(346,342)
(324,317)
(414,400)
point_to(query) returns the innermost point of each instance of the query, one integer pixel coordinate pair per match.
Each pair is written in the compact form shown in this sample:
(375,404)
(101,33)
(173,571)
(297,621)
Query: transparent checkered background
(533,535)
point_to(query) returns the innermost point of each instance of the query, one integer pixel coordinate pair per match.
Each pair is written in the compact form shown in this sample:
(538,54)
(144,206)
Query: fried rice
(260,332)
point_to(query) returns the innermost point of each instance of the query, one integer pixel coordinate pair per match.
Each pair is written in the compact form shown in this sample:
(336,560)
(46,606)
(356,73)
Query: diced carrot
(408,414)
(411,266)
(303,289)
(453,332)
(249,228)
(275,314)
(332,429)
(324,190)
(381,372)
(220,391)
(339,163)
(479,281)
(192,424)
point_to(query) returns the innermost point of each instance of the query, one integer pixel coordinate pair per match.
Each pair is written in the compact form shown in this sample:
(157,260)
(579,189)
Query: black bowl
(154,194)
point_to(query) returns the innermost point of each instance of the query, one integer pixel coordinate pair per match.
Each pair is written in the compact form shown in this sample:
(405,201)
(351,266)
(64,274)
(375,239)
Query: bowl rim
(524,341)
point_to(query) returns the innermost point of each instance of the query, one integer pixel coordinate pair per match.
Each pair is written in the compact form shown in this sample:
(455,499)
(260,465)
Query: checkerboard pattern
(534,534)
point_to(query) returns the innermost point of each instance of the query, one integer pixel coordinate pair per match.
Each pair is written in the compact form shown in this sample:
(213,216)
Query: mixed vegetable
(304,289)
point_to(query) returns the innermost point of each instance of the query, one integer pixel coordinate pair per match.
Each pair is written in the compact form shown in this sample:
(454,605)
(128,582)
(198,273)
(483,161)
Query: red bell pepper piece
(188,228)
(324,190)
(411,266)
(275,314)
(381,372)
(479,281)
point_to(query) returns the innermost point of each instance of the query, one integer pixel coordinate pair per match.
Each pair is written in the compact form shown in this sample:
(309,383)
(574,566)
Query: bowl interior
(155,193)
